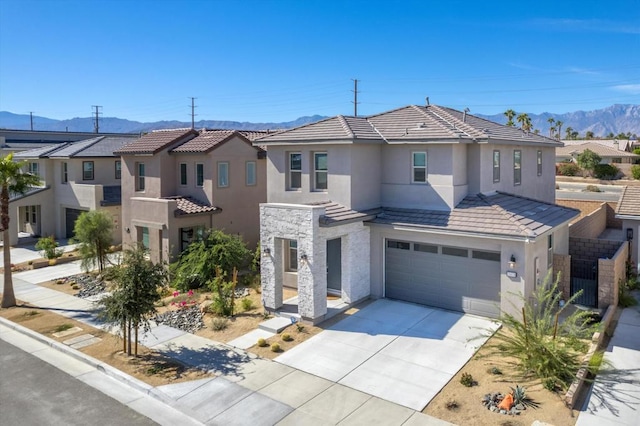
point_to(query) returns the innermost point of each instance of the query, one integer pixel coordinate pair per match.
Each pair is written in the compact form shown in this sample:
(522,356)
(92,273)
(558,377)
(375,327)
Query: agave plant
(519,394)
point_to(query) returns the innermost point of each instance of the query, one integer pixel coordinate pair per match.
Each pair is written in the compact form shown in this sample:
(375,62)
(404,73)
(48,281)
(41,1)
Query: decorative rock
(503,411)
(187,319)
(520,407)
(89,286)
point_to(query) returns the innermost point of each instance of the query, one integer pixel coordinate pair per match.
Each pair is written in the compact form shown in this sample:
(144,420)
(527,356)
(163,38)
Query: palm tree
(569,131)
(13,181)
(589,134)
(551,120)
(525,121)
(552,131)
(510,114)
(559,125)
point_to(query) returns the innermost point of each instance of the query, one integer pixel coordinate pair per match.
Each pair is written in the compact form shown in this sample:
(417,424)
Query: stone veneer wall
(588,206)
(610,272)
(591,225)
(562,265)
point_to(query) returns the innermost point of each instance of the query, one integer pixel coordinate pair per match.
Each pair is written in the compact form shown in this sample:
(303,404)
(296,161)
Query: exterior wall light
(303,258)
(266,251)
(629,234)
(512,262)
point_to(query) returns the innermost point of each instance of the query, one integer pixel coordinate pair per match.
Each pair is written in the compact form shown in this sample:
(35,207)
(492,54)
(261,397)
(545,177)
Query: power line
(97,112)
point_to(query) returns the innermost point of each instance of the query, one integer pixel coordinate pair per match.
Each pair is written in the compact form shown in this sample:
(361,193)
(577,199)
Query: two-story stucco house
(76,177)
(178,182)
(423,203)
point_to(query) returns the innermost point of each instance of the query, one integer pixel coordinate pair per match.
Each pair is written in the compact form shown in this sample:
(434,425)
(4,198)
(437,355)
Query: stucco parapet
(291,206)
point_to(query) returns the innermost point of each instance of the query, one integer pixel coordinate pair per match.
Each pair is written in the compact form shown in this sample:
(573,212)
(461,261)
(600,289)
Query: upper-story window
(496,166)
(517,167)
(183,174)
(118,169)
(34,169)
(140,176)
(550,251)
(295,170)
(87,170)
(320,181)
(64,174)
(250,173)
(539,162)
(223,175)
(419,167)
(199,174)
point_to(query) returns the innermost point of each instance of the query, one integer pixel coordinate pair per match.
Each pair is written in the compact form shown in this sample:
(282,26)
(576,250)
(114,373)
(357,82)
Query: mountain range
(614,119)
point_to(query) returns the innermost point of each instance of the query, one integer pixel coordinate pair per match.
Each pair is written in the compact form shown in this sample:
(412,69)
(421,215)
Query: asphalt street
(33,392)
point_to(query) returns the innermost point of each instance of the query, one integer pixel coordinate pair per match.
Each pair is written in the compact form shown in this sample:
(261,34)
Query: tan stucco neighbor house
(178,182)
(424,204)
(76,177)
(628,210)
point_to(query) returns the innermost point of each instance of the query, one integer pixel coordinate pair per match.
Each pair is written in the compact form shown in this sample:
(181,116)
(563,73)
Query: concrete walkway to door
(400,352)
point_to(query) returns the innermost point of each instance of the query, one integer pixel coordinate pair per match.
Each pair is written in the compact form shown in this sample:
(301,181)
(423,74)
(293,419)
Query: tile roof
(601,150)
(205,141)
(498,214)
(100,146)
(156,140)
(42,152)
(191,206)
(337,214)
(621,144)
(629,202)
(407,124)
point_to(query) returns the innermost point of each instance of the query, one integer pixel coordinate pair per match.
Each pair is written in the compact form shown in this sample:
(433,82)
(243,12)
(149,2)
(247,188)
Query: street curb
(98,365)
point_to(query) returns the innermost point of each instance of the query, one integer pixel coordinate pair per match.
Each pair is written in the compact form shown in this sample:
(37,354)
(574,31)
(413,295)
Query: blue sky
(278,60)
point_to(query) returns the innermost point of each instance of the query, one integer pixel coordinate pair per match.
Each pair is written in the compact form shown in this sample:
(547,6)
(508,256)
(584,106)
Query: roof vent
(426,101)
(464,114)
(422,126)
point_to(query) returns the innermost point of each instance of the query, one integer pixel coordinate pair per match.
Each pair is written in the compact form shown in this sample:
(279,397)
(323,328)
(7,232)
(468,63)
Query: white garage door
(453,278)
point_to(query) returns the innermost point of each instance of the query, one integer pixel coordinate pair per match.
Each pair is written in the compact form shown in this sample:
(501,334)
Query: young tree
(132,301)
(510,114)
(198,264)
(13,181)
(588,160)
(93,232)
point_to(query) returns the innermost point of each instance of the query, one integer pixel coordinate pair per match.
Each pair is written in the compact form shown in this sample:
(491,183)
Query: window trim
(291,171)
(183,170)
(496,167)
(292,253)
(517,167)
(247,165)
(64,178)
(84,171)
(200,179)
(320,171)
(226,165)
(34,168)
(539,162)
(118,169)
(550,243)
(140,177)
(414,167)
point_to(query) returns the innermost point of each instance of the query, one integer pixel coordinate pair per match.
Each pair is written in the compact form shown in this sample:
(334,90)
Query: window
(183,174)
(539,162)
(419,166)
(64,172)
(87,170)
(517,167)
(200,174)
(320,171)
(251,173)
(496,166)
(31,214)
(34,218)
(550,250)
(140,175)
(425,248)
(223,175)
(486,255)
(144,237)
(398,245)
(616,160)
(118,169)
(455,251)
(34,169)
(295,170)
(188,235)
(293,255)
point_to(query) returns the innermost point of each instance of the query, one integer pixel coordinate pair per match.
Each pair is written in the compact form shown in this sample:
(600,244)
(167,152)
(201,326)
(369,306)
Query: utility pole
(31,119)
(355,97)
(193,114)
(96,125)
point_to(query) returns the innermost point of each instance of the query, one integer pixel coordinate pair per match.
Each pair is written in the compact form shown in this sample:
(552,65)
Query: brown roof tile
(190,205)
(629,203)
(206,141)
(156,140)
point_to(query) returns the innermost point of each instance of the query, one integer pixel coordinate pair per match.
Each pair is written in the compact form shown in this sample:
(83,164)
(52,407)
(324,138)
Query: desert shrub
(592,188)
(605,171)
(50,247)
(247,304)
(452,405)
(299,327)
(635,171)
(63,327)
(262,343)
(549,384)
(224,293)
(287,337)
(495,371)
(275,347)
(569,169)
(219,324)
(467,380)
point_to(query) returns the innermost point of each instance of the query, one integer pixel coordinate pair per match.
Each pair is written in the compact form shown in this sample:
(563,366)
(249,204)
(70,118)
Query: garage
(455,278)
(71,215)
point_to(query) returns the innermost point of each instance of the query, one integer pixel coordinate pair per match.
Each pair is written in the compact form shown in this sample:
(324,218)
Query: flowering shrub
(184,300)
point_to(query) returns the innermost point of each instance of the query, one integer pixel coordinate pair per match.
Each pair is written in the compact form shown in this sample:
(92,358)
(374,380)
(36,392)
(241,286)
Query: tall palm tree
(510,114)
(13,181)
(559,125)
(525,121)
(552,131)
(551,120)
(569,132)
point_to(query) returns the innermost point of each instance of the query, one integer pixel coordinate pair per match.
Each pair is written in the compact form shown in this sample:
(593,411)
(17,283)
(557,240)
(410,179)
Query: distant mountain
(12,121)
(614,119)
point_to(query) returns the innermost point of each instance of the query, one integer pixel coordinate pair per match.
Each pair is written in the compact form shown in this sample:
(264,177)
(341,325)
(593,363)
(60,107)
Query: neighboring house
(628,210)
(617,144)
(76,177)
(423,204)
(177,183)
(22,140)
(608,154)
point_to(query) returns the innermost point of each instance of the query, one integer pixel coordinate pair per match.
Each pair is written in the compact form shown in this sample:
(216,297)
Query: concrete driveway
(399,352)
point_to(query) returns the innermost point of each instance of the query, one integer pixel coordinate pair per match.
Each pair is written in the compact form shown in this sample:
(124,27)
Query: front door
(334,265)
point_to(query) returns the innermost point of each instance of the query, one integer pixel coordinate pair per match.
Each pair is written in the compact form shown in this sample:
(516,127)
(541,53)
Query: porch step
(275,325)
(292,316)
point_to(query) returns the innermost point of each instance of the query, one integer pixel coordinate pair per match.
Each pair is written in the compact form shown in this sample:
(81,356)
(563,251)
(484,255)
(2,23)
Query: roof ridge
(343,122)
(507,215)
(624,191)
(452,121)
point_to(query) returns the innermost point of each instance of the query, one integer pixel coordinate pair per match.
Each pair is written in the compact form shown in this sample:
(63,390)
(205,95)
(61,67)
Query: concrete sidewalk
(615,396)
(246,389)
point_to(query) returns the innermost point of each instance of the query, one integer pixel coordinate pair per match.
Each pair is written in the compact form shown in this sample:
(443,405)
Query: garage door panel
(451,282)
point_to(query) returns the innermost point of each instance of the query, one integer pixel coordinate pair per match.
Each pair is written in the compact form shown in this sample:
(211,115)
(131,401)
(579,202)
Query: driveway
(400,352)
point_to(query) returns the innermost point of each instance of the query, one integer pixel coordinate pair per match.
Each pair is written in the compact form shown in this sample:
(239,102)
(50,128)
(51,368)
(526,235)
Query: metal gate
(584,276)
